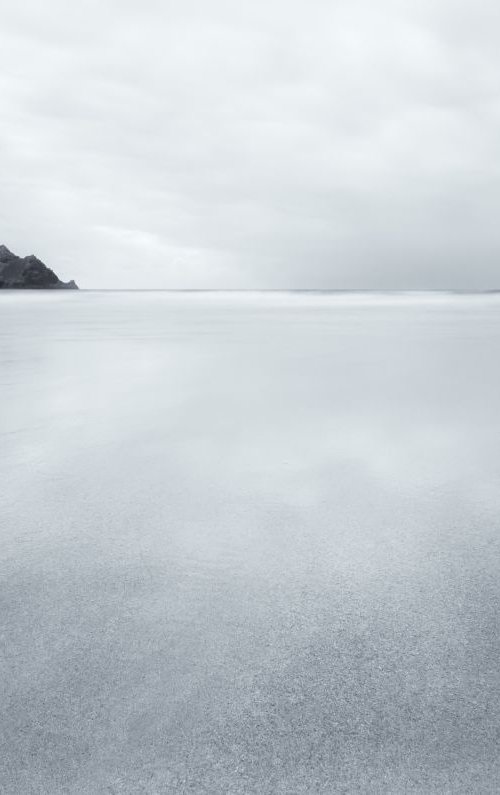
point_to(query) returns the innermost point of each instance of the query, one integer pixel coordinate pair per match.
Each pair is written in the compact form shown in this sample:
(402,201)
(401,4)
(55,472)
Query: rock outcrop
(28,273)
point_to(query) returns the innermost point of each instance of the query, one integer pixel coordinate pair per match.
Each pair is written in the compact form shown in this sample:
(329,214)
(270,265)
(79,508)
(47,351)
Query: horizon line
(378,290)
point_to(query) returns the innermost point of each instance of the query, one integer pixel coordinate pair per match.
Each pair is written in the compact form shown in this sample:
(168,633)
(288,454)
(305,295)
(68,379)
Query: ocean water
(249,543)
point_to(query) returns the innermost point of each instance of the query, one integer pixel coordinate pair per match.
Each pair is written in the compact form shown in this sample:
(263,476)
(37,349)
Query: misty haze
(249,397)
(262,144)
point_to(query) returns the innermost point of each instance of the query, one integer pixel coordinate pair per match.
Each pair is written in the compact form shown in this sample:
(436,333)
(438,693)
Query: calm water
(249,543)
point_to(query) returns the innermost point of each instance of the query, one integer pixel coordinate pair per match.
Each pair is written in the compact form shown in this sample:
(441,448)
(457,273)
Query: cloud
(253,144)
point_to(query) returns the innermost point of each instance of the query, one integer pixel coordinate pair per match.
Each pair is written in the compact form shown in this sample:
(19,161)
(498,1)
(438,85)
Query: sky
(264,144)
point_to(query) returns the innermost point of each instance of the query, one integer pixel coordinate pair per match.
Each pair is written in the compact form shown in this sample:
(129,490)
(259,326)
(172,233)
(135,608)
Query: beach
(249,542)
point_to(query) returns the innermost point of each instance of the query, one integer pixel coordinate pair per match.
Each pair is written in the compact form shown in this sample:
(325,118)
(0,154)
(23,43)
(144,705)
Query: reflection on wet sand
(249,542)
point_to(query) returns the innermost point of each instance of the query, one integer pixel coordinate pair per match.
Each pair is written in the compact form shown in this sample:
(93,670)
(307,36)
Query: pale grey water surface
(249,543)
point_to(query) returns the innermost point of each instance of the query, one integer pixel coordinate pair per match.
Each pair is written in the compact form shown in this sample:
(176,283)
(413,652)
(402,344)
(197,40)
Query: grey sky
(276,143)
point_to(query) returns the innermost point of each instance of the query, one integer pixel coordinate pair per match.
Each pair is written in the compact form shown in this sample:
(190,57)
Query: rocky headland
(28,273)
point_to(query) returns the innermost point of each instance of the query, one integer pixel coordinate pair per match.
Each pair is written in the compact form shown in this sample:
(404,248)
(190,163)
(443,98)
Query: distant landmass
(28,273)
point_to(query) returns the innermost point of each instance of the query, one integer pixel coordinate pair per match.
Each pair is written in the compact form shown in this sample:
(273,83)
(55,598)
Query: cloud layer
(263,144)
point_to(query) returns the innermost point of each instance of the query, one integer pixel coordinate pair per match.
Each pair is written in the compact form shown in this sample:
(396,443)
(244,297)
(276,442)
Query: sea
(249,542)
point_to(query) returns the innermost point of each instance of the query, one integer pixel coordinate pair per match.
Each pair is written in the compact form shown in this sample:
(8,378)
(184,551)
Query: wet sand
(249,543)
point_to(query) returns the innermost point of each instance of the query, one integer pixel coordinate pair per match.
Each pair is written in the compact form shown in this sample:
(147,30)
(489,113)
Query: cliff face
(28,273)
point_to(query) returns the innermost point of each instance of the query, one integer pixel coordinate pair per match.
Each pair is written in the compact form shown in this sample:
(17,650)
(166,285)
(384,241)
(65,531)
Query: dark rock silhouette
(28,273)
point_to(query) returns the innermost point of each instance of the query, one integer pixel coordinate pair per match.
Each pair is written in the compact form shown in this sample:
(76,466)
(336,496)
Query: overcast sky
(272,143)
